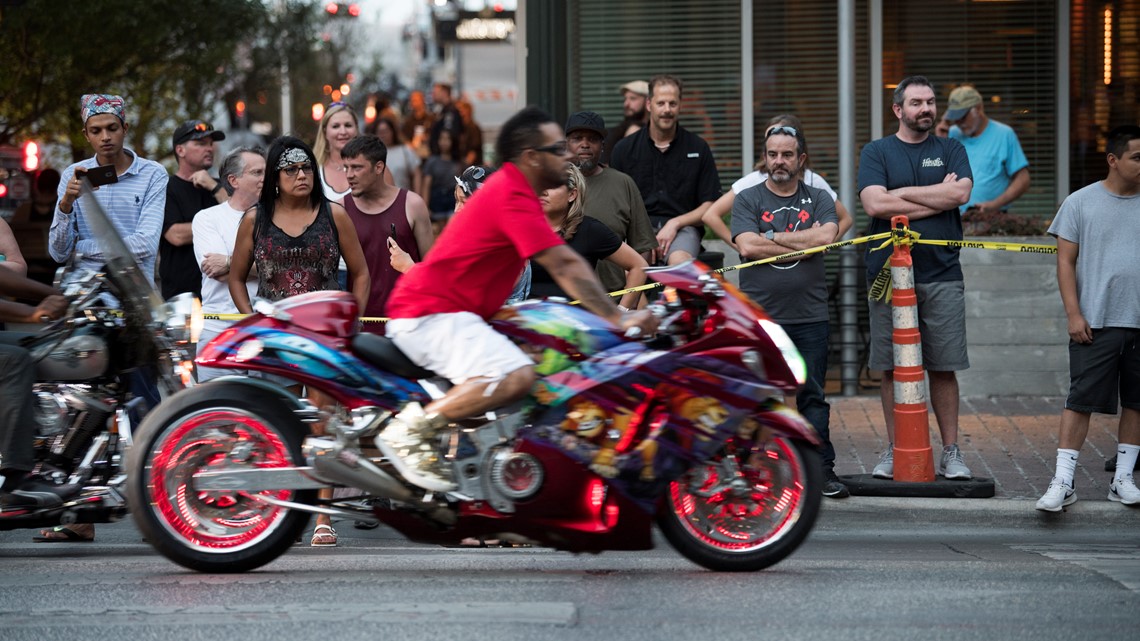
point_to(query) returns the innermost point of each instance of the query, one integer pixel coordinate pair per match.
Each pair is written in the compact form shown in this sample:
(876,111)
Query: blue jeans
(811,341)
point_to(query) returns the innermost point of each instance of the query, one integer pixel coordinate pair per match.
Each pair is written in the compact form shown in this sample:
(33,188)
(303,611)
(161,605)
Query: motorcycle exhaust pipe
(348,467)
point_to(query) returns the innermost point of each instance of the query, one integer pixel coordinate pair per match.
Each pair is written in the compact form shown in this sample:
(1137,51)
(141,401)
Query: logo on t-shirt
(932,162)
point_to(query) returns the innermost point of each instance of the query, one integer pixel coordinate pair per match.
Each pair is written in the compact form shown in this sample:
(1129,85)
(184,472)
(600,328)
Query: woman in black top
(587,236)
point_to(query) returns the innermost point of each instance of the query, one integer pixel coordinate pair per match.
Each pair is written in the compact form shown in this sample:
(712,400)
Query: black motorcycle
(115,329)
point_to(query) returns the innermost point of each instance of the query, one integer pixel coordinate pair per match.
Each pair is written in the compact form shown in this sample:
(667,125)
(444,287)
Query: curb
(874,511)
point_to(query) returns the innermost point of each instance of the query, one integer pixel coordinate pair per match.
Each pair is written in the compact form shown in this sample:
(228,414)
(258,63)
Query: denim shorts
(1106,372)
(941,322)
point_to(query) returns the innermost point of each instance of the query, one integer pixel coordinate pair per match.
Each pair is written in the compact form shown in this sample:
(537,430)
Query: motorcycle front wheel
(745,511)
(205,428)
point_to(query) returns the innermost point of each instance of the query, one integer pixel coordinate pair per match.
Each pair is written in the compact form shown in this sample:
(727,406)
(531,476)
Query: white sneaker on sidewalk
(886,467)
(1124,491)
(1057,496)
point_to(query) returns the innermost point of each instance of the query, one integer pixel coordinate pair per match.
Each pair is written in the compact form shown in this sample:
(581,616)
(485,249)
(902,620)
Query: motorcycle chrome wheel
(745,511)
(208,429)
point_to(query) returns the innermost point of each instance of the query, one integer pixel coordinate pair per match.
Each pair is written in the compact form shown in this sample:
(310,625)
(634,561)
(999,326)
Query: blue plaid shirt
(135,205)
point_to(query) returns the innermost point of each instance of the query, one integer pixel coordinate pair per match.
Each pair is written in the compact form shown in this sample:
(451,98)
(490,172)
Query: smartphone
(392,236)
(102,175)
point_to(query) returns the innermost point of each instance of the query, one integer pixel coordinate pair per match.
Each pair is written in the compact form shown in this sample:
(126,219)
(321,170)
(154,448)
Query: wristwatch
(217,188)
(770,234)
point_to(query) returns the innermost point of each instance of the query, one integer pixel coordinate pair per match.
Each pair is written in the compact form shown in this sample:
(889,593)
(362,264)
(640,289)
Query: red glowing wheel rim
(216,521)
(742,503)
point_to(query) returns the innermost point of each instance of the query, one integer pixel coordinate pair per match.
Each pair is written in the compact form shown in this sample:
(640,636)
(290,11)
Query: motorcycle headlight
(787,349)
(184,318)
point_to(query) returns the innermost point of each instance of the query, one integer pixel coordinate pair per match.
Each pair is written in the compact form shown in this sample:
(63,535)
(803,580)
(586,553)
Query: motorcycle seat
(383,353)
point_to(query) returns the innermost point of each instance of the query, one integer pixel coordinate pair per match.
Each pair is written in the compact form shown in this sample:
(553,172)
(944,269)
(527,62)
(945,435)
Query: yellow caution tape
(880,289)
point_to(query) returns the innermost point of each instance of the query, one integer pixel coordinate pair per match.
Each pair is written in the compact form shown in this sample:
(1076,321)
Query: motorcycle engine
(66,418)
(516,475)
(82,357)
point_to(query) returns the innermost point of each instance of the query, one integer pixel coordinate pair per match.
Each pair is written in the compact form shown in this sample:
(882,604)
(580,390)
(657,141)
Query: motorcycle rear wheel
(201,429)
(750,522)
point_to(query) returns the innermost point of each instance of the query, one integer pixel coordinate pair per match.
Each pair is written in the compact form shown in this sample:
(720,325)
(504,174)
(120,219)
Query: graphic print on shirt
(792,217)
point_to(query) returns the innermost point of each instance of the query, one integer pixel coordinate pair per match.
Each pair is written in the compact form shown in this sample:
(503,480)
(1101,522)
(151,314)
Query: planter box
(1016,329)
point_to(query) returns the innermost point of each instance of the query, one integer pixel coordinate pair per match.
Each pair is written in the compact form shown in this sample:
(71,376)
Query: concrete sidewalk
(1011,440)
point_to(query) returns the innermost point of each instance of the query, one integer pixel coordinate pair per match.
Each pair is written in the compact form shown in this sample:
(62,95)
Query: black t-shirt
(593,240)
(674,181)
(177,267)
(892,163)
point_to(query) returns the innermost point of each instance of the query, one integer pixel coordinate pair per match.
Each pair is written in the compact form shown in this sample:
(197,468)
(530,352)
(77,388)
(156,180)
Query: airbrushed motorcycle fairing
(685,429)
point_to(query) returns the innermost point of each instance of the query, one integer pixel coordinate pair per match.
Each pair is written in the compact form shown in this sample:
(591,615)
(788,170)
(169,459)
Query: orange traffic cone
(913,458)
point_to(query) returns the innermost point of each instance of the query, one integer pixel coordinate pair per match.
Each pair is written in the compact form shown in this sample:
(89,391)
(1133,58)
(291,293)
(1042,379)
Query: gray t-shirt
(1106,227)
(794,292)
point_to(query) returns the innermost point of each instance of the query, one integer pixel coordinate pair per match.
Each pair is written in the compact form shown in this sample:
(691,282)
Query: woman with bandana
(295,238)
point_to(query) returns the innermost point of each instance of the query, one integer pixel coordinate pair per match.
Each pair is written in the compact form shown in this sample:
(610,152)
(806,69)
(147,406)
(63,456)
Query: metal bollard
(914,460)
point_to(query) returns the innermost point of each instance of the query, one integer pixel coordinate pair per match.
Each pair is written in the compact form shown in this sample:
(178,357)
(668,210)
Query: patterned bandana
(292,156)
(102,103)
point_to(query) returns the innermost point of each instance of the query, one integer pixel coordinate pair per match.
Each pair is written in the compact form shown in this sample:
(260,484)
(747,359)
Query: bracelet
(217,187)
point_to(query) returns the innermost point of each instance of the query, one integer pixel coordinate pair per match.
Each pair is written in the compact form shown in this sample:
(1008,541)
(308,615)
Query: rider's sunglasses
(558,149)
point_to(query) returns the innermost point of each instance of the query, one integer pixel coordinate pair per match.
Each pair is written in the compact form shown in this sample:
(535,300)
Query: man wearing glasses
(439,310)
(191,189)
(675,171)
(927,179)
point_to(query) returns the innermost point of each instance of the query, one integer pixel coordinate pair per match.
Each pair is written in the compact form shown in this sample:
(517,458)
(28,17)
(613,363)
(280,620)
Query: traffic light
(343,9)
(3,190)
(31,156)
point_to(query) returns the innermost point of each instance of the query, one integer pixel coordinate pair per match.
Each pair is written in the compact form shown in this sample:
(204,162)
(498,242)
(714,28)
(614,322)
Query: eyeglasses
(782,129)
(292,170)
(202,127)
(558,149)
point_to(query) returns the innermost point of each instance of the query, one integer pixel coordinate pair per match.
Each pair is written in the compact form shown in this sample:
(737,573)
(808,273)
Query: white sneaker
(1124,491)
(412,447)
(952,465)
(1057,496)
(886,467)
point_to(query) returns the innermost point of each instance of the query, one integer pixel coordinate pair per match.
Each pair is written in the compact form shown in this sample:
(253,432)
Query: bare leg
(1074,429)
(1129,427)
(944,401)
(471,398)
(887,396)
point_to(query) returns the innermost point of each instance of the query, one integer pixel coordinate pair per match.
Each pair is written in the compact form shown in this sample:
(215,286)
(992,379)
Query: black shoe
(34,494)
(833,487)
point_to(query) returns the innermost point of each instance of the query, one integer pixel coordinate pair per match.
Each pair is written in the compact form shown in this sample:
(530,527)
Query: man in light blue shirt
(135,203)
(1001,171)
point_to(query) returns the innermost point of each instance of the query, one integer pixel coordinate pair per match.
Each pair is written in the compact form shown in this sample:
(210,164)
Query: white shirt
(215,232)
(811,179)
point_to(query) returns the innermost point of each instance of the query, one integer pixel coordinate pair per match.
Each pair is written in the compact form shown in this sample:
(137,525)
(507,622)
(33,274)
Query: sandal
(324,536)
(82,533)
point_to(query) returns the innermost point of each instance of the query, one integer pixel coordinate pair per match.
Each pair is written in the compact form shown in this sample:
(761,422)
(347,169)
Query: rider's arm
(574,276)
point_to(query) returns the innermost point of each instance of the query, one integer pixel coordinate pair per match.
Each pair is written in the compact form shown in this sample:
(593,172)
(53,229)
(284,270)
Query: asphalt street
(874,568)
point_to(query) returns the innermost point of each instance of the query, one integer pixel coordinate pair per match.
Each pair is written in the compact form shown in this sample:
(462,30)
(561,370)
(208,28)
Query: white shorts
(458,346)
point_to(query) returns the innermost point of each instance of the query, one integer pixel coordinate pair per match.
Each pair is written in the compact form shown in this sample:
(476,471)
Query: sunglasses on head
(782,129)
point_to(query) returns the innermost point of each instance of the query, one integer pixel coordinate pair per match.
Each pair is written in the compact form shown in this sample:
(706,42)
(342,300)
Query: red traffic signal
(354,10)
(3,190)
(31,156)
(332,8)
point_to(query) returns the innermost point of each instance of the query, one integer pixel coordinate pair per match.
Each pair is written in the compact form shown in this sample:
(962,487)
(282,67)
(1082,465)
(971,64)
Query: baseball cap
(639,87)
(587,120)
(962,100)
(195,130)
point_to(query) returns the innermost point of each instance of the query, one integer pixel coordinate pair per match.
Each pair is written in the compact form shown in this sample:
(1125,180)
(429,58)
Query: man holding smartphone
(382,214)
(132,191)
